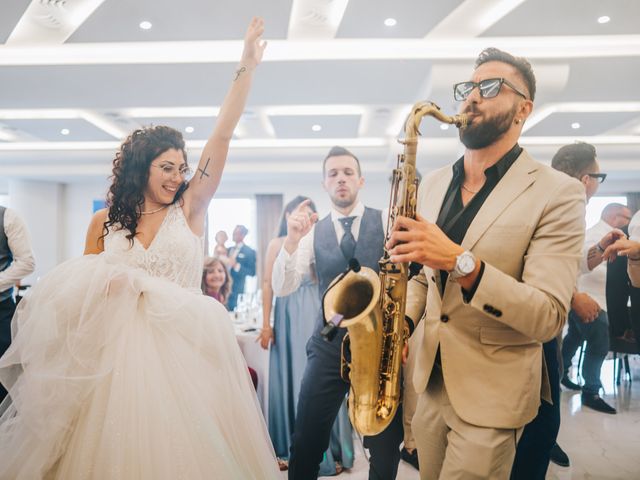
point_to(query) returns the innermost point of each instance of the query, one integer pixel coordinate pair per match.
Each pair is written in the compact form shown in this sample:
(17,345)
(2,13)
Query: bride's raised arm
(207,175)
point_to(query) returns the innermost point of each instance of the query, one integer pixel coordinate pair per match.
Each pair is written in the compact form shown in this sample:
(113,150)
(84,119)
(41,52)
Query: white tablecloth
(258,359)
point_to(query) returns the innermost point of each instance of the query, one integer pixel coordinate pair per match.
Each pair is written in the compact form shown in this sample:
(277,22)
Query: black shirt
(455,218)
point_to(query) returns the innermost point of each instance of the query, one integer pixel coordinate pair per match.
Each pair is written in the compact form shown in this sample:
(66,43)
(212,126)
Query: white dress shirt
(594,282)
(234,253)
(19,243)
(634,227)
(289,270)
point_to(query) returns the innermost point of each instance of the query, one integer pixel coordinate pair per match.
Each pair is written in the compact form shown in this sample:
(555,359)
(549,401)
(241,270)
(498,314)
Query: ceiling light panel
(414,18)
(590,123)
(569,18)
(331,126)
(202,126)
(51,130)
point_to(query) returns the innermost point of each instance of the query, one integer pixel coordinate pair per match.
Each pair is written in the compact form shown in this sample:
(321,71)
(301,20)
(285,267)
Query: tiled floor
(600,446)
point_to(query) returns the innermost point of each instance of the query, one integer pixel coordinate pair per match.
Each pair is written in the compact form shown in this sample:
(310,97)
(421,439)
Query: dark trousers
(539,436)
(596,334)
(7,309)
(321,395)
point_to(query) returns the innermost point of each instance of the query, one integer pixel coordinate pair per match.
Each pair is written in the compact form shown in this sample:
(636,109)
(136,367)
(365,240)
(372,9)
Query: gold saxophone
(372,305)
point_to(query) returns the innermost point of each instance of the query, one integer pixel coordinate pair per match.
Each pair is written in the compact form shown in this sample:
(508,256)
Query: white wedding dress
(121,369)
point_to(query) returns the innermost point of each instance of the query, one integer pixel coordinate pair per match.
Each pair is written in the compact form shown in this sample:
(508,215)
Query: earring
(517,121)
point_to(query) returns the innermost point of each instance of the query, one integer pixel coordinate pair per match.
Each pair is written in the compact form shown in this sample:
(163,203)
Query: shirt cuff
(410,323)
(467,295)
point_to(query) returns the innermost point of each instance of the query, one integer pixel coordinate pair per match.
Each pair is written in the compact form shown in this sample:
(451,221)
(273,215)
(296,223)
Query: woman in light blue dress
(293,324)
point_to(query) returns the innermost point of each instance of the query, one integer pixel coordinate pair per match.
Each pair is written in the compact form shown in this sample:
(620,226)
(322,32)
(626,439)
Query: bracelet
(599,247)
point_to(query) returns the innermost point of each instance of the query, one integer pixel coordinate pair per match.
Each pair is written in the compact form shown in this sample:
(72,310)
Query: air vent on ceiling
(49,14)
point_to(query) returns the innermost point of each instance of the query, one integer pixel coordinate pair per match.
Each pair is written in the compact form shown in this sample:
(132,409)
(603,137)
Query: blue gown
(294,317)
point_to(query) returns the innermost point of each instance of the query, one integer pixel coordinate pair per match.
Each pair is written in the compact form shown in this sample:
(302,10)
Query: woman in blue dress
(293,323)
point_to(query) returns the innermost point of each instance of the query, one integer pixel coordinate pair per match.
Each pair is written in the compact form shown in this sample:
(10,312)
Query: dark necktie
(348,243)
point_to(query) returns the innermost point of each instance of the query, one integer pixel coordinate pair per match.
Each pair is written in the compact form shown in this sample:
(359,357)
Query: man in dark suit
(243,264)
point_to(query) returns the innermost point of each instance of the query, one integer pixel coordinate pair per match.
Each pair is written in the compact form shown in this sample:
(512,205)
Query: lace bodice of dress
(176,253)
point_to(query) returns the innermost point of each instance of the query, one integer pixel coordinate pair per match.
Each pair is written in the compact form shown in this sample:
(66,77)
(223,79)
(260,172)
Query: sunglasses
(598,176)
(488,88)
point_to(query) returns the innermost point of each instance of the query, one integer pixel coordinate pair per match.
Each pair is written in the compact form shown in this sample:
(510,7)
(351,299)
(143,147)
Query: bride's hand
(253,44)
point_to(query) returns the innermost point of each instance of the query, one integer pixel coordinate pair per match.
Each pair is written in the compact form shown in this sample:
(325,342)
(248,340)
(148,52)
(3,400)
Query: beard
(480,135)
(343,202)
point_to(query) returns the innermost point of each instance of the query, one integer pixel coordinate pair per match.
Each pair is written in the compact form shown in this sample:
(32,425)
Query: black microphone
(331,326)
(354,265)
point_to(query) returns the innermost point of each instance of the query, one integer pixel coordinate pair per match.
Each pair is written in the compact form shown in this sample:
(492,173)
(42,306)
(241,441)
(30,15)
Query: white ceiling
(87,66)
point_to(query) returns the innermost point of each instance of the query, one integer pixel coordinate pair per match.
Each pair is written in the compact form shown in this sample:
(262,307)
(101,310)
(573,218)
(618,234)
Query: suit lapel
(515,181)
(432,203)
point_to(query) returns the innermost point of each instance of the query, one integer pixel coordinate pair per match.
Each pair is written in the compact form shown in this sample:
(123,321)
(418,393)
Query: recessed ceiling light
(444,126)
(316,127)
(145,25)
(65,131)
(604,19)
(189,129)
(390,22)
(575,125)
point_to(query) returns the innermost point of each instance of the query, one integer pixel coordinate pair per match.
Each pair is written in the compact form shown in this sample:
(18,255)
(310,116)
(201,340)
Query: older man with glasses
(499,238)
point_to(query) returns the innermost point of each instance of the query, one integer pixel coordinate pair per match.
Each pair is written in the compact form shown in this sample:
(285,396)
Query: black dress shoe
(410,457)
(558,456)
(594,401)
(569,384)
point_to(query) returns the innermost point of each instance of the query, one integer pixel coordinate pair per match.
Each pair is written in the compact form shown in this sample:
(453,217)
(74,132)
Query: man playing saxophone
(499,237)
(350,231)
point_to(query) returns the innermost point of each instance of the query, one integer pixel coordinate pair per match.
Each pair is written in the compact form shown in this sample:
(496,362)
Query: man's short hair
(613,209)
(575,159)
(243,230)
(338,152)
(520,63)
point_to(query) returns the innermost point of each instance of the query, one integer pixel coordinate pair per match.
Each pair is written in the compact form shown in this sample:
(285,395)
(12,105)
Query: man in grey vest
(351,230)
(16,262)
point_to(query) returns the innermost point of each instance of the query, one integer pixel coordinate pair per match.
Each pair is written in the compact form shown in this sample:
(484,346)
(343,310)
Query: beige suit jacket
(529,232)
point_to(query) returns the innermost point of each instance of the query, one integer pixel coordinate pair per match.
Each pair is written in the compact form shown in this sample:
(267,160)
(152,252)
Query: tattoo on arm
(239,72)
(203,171)
(593,253)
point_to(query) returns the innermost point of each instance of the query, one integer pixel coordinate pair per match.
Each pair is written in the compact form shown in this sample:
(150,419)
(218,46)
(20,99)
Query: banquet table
(256,358)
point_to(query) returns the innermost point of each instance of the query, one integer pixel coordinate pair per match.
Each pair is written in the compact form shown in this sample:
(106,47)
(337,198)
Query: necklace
(470,191)
(154,211)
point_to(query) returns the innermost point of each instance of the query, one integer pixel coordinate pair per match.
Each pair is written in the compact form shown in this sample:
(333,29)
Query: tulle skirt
(114,374)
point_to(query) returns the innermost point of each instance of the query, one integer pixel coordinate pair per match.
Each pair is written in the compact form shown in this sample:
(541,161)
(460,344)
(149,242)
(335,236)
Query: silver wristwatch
(465,264)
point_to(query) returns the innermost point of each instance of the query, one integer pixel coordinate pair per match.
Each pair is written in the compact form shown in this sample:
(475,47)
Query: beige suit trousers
(410,396)
(450,448)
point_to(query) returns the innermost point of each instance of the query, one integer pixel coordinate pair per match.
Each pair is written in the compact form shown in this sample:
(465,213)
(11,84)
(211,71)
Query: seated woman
(216,281)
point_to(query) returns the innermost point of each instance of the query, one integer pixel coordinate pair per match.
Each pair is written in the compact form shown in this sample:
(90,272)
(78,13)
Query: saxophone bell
(331,325)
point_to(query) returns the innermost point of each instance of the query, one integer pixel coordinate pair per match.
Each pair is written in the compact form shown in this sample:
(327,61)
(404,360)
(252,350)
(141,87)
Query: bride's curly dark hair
(131,173)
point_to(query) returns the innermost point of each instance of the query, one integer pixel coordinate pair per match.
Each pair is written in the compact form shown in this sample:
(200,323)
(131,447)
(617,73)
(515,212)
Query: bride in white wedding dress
(120,368)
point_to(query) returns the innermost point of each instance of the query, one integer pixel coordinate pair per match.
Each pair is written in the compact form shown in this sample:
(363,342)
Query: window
(225,214)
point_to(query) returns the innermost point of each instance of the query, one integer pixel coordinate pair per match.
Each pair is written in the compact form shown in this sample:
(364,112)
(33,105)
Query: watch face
(466,263)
